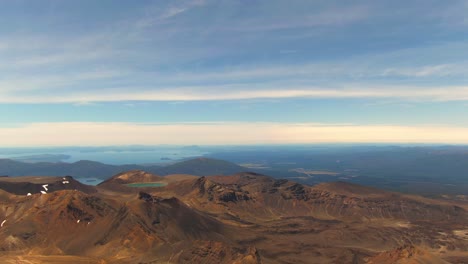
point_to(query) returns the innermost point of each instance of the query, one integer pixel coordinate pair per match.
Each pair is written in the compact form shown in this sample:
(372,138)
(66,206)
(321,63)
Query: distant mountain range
(88,169)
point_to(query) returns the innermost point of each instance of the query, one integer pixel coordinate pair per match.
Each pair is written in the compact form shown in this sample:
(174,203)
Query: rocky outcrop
(220,192)
(407,254)
(217,252)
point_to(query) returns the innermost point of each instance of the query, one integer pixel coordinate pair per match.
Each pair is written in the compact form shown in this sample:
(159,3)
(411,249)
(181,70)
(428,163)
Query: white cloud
(410,93)
(100,134)
(173,11)
(359,67)
(157,15)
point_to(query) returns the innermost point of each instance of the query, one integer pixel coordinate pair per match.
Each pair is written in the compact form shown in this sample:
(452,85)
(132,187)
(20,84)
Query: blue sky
(346,65)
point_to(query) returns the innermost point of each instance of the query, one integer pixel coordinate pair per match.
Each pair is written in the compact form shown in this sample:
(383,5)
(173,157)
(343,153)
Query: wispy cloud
(165,52)
(250,51)
(336,16)
(428,71)
(83,134)
(243,93)
(159,15)
(17,84)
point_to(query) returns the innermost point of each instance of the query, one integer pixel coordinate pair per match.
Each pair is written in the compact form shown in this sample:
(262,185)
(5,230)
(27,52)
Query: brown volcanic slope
(132,177)
(327,223)
(143,229)
(140,176)
(406,255)
(34,184)
(244,218)
(118,183)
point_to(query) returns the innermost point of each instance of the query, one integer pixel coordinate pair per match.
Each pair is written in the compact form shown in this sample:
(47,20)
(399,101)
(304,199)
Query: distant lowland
(432,171)
(42,158)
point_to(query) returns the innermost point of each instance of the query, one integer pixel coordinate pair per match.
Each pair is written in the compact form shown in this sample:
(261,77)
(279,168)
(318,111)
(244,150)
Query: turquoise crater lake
(146,184)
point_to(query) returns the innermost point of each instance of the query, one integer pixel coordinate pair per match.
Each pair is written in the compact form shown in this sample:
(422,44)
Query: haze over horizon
(232,72)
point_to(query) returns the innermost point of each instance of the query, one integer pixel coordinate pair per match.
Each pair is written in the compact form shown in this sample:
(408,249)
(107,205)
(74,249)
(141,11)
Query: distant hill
(88,169)
(80,169)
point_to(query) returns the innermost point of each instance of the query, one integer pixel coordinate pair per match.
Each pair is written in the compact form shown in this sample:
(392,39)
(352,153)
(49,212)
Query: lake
(89,181)
(147,184)
(108,155)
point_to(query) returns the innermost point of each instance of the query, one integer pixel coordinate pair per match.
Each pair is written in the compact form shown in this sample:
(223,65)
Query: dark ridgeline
(89,169)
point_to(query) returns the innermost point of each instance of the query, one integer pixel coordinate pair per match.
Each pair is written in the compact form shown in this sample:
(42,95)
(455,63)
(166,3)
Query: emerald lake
(146,184)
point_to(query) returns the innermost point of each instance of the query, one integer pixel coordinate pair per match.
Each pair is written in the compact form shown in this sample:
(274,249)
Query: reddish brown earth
(244,218)
(33,184)
(406,254)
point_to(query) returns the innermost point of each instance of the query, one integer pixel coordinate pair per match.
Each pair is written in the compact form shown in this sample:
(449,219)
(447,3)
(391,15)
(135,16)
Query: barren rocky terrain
(243,218)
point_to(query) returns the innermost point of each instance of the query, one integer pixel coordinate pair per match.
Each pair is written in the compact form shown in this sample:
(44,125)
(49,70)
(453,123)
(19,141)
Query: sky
(85,73)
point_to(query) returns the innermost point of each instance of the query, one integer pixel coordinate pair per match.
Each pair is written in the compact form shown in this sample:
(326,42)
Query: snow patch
(45,187)
(43,192)
(29,194)
(1,225)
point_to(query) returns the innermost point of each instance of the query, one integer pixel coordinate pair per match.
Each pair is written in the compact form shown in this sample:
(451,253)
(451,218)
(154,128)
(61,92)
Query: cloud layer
(409,93)
(104,134)
(365,62)
(207,50)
